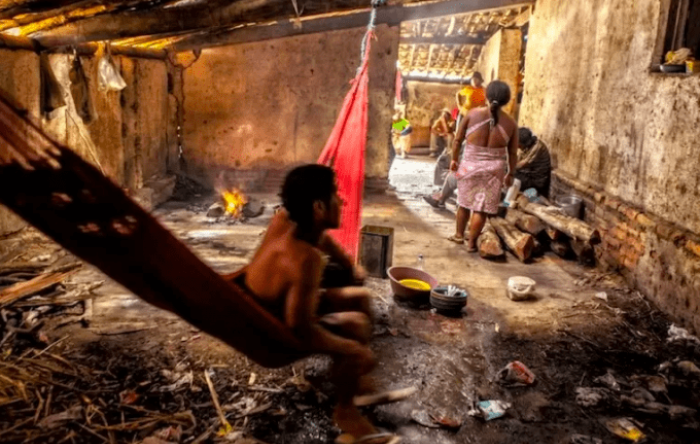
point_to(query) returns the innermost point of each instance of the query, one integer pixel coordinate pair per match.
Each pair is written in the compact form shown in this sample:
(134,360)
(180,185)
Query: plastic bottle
(512,193)
(421,262)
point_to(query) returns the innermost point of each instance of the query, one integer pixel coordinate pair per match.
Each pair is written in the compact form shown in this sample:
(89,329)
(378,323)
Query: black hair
(526,138)
(302,187)
(498,95)
(477,75)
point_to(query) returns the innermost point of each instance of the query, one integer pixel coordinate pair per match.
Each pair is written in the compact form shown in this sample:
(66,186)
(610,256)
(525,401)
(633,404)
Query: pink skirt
(480,178)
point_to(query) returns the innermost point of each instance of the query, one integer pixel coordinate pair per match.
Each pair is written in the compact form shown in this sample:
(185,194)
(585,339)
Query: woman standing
(491,146)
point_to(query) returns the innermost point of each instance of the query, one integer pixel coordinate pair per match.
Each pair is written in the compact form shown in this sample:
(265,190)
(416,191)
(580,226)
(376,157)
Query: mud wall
(110,141)
(622,136)
(270,105)
(500,60)
(425,101)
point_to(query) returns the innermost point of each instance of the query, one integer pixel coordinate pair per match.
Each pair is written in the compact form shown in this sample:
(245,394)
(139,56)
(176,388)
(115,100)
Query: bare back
(484,136)
(281,263)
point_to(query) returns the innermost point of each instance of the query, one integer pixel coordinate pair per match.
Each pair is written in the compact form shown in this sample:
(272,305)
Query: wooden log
(554,234)
(574,228)
(489,243)
(525,222)
(519,243)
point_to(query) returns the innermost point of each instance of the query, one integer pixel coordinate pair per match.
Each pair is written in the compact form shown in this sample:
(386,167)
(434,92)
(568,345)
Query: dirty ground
(117,370)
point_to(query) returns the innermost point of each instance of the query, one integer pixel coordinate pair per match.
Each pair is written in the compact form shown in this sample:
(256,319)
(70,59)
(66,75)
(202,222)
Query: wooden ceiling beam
(452,40)
(391,15)
(26,43)
(197,18)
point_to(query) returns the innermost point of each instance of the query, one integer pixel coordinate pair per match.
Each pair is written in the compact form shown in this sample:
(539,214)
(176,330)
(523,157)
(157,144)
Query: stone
(693,247)
(643,220)
(254,208)
(216,210)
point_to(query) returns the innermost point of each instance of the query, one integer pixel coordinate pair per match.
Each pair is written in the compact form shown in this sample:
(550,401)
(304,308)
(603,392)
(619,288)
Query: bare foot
(349,420)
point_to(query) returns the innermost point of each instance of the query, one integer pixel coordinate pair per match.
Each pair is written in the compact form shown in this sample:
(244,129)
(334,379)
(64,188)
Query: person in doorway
(471,96)
(534,166)
(491,138)
(286,277)
(401,135)
(441,133)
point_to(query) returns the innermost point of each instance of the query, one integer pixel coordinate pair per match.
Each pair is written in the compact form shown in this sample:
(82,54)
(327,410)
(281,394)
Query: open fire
(234,201)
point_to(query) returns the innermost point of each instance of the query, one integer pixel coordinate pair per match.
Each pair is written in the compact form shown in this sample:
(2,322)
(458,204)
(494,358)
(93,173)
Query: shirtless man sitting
(286,275)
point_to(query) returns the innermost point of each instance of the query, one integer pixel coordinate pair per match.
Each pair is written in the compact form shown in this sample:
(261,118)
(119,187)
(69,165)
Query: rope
(370,31)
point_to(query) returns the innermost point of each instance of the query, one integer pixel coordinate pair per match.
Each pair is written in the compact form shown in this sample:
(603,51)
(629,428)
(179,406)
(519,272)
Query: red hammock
(345,152)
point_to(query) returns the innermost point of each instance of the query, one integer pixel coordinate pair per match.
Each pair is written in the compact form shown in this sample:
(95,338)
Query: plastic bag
(80,91)
(51,96)
(516,374)
(109,77)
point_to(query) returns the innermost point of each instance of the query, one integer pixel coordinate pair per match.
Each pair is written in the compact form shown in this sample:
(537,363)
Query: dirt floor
(129,371)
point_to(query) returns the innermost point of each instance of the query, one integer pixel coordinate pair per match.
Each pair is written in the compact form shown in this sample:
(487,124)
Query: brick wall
(657,257)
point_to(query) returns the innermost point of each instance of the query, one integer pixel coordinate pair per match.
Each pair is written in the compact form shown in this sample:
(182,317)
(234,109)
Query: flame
(235,200)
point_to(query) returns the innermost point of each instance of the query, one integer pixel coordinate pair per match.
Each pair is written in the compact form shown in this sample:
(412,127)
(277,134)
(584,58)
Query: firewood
(555,234)
(489,243)
(575,228)
(525,222)
(23,289)
(519,243)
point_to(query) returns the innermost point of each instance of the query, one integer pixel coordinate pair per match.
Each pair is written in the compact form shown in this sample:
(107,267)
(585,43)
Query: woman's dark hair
(302,187)
(498,95)
(526,138)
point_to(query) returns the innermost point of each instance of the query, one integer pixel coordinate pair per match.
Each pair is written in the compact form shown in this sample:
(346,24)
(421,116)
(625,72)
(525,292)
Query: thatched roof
(448,47)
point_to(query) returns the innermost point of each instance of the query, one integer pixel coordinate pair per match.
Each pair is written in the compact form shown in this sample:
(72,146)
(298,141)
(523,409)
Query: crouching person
(286,275)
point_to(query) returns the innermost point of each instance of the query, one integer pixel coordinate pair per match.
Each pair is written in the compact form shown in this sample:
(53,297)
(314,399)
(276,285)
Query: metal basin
(407,294)
(570,205)
(442,302)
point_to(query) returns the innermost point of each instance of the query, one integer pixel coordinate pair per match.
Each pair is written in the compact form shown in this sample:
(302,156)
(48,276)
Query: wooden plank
(133,24)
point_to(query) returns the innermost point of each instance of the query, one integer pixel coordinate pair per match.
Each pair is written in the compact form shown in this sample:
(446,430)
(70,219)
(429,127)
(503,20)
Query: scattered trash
(489,410)
(516,374)
(520,288)
(128,397)
(689,368)
(602,295)
(178,378)
(625,428)
(655,384)
(608,380)
(584,439)
(423,418)
(676,333)
(446,421)
(590,396)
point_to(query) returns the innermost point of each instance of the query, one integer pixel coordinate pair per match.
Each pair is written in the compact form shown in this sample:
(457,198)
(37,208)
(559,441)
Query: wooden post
(489,243)
(519,243)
